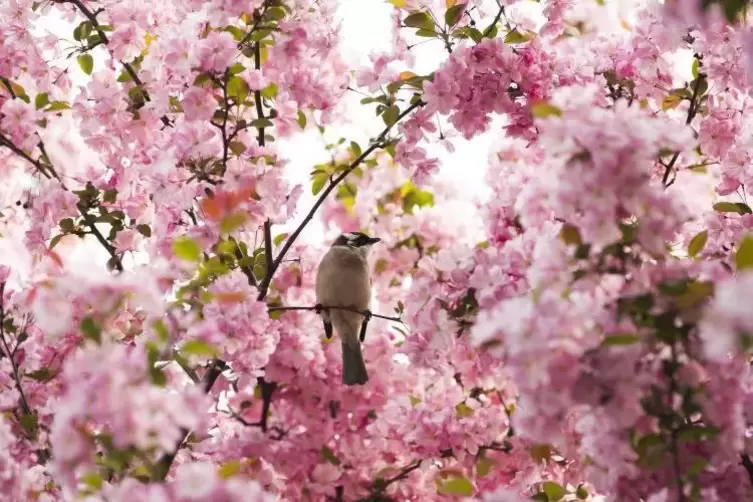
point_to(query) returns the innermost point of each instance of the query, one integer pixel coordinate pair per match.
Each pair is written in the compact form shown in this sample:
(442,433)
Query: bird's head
(356,241)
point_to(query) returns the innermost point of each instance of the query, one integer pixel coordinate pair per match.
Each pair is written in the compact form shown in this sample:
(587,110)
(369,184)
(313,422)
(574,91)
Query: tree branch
(42,454)
(328,307)
(117,263)
(12,147)
(692,110)
(257,95)
(380,485)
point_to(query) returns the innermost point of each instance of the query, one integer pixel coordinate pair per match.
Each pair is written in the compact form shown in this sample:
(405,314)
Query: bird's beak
(374,240)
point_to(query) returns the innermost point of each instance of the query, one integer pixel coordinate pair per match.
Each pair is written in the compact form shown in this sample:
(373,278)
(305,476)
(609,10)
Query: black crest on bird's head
(355,240)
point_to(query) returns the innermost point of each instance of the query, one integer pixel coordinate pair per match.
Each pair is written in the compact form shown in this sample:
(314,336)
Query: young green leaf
(86,62)
(453,15)
(419,20)
(744,255)
(187,249)
(697,243)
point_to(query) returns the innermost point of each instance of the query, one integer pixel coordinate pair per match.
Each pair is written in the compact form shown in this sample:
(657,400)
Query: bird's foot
(318,308)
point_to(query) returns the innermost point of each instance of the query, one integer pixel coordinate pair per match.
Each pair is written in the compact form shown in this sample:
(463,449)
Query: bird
(343,280)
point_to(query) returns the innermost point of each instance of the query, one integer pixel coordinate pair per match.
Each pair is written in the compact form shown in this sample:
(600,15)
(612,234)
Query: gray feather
(354,369)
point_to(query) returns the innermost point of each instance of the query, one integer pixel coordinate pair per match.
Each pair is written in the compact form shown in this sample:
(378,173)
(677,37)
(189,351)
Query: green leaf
(93,480)
(419,20)
(56,240)
(41,375)
(516,37)
(621,339)
(29,422)
(423,32)
(301,119)
(355,148)
(732,207)
(232,222)
(581,493)
(694,68)
(261,123)
(229,469)
(462,410)
(270,92)
(455,485)
(237,89)
(483,466)
(416,197)
(540,452)
(553,490)
(744,255)
(453,15)
(187,249)
(390,115)
(199,348)
(236,69)
(570,235)
(697,243)
(274,13)
(86,62)
(91,329)
(319,180)
(41,100)
(144,230)
(278,240)
(671,101)
(542,110)
(330,456)
(57,106)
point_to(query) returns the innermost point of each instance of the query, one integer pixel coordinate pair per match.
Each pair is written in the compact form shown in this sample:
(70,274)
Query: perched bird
(342,280)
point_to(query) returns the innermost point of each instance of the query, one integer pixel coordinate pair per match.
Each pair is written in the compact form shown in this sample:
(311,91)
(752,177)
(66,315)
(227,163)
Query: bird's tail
(348,327)
(354,369)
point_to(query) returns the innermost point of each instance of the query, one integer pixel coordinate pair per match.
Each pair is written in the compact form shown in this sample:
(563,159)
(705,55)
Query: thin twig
(692,110)
(489,28)
(257,95)
(328,307)
(381,485)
